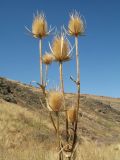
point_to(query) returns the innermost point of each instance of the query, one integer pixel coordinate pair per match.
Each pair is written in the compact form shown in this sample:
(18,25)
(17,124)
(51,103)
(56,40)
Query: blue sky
(99,49)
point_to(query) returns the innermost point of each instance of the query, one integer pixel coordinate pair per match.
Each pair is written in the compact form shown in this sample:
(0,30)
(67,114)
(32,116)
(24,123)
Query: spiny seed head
(55,100)
(71,114)
(60,48)
(39,26)
(48,58)
(76,25)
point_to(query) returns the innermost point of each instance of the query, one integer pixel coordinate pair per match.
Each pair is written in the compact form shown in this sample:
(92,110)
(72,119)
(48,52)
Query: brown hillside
(100,120)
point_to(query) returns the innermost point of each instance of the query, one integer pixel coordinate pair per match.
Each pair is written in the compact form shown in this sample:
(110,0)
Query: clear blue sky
(99,49)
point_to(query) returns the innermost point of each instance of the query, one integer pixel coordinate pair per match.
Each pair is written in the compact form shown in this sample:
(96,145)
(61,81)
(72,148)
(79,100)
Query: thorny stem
(41,74)
(62,89)
(77,59)
(53,122)
(46,73)
(58,126)
(61,79)
(58,136)
(44,92)
(78,90)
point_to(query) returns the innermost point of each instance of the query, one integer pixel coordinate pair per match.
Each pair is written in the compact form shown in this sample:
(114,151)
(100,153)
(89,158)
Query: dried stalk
(58,136)
(43,87)
(62,89)
(58,126)
(61,79)
(77,59)
(46,74)
(41,73)
(78,90)
(53,123)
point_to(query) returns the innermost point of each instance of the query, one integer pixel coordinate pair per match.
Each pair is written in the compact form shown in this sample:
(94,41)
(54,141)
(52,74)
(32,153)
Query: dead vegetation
(26,134)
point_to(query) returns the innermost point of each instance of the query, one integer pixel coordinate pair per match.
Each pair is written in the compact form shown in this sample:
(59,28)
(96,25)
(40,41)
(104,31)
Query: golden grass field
(24,135)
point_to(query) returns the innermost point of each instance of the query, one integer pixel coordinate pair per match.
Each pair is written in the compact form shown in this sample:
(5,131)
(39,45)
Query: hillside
(100,115)
(24,123)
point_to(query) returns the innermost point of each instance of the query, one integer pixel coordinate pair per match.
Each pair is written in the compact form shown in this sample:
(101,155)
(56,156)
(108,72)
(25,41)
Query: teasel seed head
(76,25)
(48,58)
(61,48)
(71,114)
(39,26)
(55,100)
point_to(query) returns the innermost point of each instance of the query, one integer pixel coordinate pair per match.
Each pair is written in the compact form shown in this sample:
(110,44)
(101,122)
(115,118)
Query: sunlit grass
(25,135)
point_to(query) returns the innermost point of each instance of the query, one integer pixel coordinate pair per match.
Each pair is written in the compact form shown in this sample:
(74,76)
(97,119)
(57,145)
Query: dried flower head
(71,114)
(61,48)
(76,25)
(55,100)
(48,58)
(39,26)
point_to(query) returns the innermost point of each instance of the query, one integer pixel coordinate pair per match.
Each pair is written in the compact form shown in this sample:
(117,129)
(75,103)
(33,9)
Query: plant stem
(58,133)
(53,122)
(41,73)
(78,90)
(61,79)
(46,73)
(77,59)
(62,89)
(58,126)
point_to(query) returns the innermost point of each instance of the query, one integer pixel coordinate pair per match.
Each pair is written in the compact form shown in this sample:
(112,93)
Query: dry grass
(24,136)
(91,151)
(30,153)
(19,126)
(87,151)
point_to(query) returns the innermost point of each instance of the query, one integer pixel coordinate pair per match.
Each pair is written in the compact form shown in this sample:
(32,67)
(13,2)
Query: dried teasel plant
(61,50)
(76,28)
(55,103)
(47,60)
(71,114)
(39,26)
(55,100)
(40,30)
(76,24)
